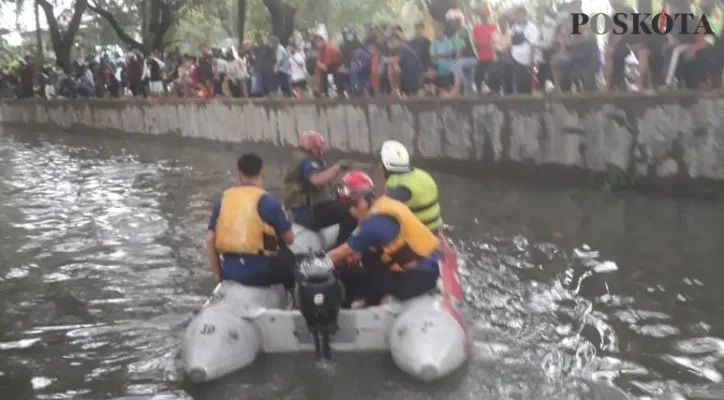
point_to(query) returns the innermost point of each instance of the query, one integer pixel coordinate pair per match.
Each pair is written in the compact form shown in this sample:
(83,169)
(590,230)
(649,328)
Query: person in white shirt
(238,75)
(153,72)
(525,41)
(548,35)
(221,66)
(298,70)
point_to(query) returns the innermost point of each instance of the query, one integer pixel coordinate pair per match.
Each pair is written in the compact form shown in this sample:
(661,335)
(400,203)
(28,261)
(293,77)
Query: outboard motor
(318,296)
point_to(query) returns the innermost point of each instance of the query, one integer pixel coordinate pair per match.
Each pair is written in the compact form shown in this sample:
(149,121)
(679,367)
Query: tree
(438,8)
(38,34)
(156,19)
(63,40)
(222,10)
(282,19)
(240,19)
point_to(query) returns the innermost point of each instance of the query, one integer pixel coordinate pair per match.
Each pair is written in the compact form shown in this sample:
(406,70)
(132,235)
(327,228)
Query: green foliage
(8,57)
(214,21)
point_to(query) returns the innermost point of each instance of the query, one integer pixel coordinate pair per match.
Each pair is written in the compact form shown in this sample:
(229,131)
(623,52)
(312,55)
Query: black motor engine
(319,296)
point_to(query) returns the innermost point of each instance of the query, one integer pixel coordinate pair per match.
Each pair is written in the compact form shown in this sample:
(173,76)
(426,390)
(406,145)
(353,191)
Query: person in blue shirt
(247,225)
(398,254)
(309,190)
(408,66)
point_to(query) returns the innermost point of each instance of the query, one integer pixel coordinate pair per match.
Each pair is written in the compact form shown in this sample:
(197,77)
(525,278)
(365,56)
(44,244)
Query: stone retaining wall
(674,136)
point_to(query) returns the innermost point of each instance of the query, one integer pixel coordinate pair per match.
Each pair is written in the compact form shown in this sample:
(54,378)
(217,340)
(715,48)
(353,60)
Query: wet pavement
(571,294)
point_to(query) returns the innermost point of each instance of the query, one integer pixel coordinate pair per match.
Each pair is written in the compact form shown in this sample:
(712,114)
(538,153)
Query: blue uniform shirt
(378,231)
(308,168)
(399,193)
(236,267)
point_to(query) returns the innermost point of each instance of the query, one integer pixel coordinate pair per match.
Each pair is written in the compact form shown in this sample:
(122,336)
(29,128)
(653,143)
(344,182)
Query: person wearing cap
(399,255)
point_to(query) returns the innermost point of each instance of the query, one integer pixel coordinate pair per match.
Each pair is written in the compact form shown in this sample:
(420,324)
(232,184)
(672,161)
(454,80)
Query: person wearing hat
(400,255)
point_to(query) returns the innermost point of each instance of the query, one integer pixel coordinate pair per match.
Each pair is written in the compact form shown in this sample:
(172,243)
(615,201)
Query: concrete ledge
(671,142)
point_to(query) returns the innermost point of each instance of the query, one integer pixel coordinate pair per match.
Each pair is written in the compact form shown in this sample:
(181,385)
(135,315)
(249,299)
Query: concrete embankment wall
(673,140)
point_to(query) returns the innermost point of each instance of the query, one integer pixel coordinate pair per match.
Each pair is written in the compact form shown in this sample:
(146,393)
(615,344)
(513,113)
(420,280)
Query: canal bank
(672,142)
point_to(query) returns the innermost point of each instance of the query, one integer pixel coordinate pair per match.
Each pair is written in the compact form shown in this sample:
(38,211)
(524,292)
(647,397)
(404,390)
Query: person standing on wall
(524,39)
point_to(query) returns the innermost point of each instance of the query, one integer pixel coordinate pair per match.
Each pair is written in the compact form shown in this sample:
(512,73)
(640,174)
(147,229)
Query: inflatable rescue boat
(426,336)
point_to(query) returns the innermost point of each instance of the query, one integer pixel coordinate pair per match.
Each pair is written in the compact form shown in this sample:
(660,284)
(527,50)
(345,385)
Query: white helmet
(395,157)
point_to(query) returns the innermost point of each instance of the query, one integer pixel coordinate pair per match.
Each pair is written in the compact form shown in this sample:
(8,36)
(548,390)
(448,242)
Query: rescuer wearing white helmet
(412,186)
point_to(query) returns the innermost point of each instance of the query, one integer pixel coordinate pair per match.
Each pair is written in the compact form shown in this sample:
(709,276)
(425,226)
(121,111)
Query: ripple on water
(41,382)
(118,264)
(17,273)
(19,344)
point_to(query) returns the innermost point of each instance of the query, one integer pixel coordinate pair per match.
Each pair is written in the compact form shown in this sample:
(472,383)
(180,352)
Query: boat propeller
(318,295)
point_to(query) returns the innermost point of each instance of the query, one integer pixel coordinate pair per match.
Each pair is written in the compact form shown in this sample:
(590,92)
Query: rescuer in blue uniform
(309,190)
(247,225)
(399,255)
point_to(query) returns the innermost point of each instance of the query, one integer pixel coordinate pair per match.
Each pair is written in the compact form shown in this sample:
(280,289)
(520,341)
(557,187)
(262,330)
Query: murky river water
(101,265)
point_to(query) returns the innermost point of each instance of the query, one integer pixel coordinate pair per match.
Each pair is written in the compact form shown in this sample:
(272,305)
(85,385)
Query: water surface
(101,265)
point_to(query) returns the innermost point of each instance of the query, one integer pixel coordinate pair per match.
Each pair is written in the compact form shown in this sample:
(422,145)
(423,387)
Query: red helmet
(354,185)
(311,141)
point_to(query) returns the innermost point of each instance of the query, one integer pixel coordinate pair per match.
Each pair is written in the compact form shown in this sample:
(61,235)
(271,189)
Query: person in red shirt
(329,61)
(482,38)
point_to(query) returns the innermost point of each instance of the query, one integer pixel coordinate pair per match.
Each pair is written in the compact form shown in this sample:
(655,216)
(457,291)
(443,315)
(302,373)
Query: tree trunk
(40,56)
(63,56)
(240,19)
(62,41)
(438,9)
(282,19)
(154,31)
(160,24)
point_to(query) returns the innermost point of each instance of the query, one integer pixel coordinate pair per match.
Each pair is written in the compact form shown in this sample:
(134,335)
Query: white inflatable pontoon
(426,336)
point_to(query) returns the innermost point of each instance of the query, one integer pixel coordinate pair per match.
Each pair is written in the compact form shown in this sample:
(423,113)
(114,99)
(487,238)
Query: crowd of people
(508,53)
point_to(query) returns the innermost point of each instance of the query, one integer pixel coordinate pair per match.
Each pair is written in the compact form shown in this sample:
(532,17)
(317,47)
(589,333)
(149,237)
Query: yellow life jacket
(240,229)
(423,196)
(414,242)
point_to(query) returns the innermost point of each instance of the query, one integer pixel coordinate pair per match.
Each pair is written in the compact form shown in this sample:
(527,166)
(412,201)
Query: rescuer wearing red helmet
(399,254)
(308,188)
